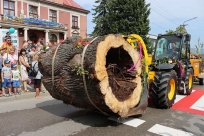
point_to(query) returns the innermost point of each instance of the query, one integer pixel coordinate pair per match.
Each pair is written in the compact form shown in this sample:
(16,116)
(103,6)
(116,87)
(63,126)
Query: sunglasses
(8,40)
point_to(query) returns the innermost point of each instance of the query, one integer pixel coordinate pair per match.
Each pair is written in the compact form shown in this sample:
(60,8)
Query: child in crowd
(16,79)
(6,77)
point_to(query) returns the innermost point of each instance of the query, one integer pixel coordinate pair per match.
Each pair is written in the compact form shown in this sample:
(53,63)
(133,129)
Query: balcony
(33,22)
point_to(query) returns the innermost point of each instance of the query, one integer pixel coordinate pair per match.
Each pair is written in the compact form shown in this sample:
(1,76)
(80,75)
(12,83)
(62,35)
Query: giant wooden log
(110,88)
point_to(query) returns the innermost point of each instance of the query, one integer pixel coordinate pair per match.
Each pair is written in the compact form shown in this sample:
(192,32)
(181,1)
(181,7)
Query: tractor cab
(174,47)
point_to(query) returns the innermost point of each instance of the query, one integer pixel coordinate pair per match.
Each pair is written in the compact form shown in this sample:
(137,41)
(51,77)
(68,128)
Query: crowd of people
(18,65)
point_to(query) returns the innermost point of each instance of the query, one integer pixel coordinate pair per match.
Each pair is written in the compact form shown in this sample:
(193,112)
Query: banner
(14,38)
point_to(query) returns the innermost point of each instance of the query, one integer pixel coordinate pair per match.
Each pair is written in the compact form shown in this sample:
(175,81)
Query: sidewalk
(24,95)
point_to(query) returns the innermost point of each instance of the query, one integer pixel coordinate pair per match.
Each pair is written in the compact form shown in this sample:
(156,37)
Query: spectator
(16,79)
(41,42)
(1,63)
(11,56)
(8,44)
(32,53)
(37,79)
(29,44)
(24,64)
(49,45)
(8,34)
(55,43)
(39,47)
(6,77)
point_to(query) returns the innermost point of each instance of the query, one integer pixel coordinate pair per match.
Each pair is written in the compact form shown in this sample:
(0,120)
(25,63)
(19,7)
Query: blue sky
(167,14)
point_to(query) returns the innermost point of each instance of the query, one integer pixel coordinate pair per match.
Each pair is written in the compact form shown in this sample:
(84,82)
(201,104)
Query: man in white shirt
(49,45)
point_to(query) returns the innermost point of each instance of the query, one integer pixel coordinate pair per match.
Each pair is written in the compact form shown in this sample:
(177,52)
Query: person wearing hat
(6,77)
(23,60)
(16,79)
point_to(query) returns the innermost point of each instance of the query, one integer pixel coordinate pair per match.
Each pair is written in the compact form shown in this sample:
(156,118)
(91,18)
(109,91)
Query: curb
(26,95)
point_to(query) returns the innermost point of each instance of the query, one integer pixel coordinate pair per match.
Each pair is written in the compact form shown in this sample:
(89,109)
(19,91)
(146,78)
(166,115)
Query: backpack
(33,72)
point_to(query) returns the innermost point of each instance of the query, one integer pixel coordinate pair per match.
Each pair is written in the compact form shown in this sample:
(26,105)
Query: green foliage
(79,70)
(170,32)
(179,29)
(100,18)
(44,48)
(121,17)
(163,60)
(149,46)
(198,47)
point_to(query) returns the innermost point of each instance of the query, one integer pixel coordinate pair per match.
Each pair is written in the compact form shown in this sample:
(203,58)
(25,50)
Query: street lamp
(185,22)
(188,20)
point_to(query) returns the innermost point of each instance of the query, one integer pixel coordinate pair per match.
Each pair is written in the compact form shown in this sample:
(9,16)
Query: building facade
(50,20)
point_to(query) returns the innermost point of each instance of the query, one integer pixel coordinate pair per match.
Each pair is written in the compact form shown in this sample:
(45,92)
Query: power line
(164,9)
(192,33)
(165,17)
(157,26)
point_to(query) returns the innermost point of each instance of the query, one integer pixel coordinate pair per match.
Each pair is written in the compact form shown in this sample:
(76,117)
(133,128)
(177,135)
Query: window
(74,21)
(53,15)
(9,7)
(33,11)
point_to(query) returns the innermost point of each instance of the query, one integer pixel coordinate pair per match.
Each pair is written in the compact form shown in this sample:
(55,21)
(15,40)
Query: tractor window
(161,46)
(167,46)
(185,50)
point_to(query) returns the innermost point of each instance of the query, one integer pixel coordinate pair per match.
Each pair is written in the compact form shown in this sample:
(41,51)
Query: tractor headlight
(170,61)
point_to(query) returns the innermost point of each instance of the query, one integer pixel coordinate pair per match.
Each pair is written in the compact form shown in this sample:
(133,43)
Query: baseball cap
(6,61)
(13,65)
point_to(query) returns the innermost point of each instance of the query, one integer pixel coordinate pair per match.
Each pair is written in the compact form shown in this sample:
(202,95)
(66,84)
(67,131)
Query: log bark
(109,86)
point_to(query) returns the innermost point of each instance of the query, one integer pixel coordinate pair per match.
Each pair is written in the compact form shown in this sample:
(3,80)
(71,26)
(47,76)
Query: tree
(180,29)
(198,47)
(122,17)
(101,18)
(170,32)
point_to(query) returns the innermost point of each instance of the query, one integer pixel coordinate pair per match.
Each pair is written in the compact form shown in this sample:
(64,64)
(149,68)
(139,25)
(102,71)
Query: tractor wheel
(188,83)
(164,89)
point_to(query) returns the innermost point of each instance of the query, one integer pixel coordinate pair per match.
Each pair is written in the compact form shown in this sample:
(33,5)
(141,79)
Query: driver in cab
(174,49)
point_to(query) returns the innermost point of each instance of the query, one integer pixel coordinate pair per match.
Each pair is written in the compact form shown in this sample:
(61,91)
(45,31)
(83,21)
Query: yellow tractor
(170,70)
(196,61)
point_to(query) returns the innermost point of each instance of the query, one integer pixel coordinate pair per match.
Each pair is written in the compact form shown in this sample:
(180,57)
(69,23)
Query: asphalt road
(49,117)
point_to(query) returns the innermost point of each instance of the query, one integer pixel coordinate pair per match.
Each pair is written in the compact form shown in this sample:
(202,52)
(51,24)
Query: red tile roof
(72,3)
(68,3)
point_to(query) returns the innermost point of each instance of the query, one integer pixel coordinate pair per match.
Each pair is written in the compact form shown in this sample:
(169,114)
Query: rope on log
(84,79)
(53,64)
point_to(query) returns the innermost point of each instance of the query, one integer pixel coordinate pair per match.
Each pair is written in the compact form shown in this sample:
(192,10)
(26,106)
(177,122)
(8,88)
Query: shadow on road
(82,116)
